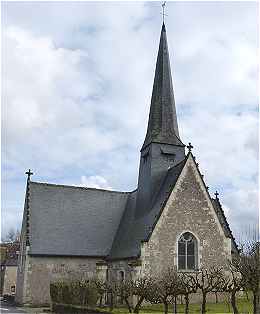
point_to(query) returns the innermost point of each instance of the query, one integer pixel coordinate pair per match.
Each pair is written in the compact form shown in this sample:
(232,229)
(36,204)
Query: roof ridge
(78,187)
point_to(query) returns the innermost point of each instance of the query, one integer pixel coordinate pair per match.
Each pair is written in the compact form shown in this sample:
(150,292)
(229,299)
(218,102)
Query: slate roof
(134,229)
(222,218)
(162,124)
(73,221)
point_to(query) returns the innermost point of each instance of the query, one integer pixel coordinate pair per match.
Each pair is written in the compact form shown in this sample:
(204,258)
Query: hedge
(82,293)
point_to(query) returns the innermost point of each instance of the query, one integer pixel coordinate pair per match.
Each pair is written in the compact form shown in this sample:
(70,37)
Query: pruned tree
(141,288)
(102,287)
(187,287)
(248,264)
(234,283)
(164,288)
(208,280)
(124,290)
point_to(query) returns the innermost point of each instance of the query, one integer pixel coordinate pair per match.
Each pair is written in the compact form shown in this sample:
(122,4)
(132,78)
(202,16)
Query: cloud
(76,94)
(97,182)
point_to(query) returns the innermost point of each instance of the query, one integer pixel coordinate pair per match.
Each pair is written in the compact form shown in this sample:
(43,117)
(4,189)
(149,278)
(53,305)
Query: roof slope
(133,230)
(223,221)
(73,221)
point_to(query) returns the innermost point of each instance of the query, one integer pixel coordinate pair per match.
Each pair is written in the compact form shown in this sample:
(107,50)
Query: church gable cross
(29,174)
(189,147)
(216,194)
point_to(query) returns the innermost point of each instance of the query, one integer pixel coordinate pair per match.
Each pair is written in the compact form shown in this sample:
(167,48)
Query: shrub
(82,293)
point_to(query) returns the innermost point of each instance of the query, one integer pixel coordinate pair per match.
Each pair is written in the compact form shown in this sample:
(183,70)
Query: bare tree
(12,235)
(164,289)
(187,286)
(102,288)
(208,280)
(159,293)
(248,264)
(141,289)
(124,290)
(234,283)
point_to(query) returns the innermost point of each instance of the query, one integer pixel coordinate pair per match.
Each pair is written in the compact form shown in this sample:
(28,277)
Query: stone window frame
(197,253)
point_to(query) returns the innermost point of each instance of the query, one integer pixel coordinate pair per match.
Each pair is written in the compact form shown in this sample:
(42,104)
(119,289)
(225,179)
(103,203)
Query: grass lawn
(244,307)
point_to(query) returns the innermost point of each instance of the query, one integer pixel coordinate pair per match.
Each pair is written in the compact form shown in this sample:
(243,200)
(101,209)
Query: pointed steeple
(162,148)
(162,124)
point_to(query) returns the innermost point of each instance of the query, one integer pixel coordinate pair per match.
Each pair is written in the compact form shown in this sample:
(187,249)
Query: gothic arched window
(187,252)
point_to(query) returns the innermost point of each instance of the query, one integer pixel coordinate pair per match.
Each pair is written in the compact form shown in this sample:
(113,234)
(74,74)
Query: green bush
(82,293)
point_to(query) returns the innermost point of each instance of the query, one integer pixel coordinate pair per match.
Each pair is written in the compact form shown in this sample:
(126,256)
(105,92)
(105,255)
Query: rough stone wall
(129,267)
(41,271)
(188,209)
(22,263)
(9,279)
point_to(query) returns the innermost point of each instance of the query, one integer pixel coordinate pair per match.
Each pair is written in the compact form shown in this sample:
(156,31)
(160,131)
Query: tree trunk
(111,302)
(165,307)
(256,302)
(128,305)
(216,296)
(186,303)
(101,300)
(138,304)
(175,305)
(233,302)
(204,301)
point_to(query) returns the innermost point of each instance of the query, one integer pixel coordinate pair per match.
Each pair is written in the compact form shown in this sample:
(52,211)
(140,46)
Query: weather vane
(163,7)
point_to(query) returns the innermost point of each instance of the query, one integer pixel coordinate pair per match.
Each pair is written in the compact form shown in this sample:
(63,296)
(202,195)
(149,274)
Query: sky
(76,87)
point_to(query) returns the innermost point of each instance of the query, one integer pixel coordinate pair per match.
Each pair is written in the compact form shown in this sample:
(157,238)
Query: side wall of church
(188,208)
(41,271)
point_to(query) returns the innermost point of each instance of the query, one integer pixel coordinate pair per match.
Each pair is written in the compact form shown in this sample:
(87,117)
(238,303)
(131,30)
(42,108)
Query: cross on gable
(189,147)
(216,194)
(29,174)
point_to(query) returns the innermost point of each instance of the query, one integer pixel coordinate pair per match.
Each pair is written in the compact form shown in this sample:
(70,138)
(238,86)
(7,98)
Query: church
(169,219)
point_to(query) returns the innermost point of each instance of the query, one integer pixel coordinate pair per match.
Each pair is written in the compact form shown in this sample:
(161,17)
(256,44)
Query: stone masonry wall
(43,270)
(188,209)
(9,280)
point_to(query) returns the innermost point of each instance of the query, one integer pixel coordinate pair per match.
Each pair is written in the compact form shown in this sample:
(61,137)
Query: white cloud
(97,182)
(76,93)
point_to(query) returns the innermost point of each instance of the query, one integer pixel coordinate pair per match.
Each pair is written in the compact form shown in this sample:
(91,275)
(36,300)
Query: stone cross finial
(189,147)
(29,174)
(216,194)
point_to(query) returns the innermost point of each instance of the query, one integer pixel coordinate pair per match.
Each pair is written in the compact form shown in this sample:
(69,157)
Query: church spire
(162,148)
(162,124)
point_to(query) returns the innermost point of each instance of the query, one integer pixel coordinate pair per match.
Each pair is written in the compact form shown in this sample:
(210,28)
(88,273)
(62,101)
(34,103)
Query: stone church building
(169,219)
